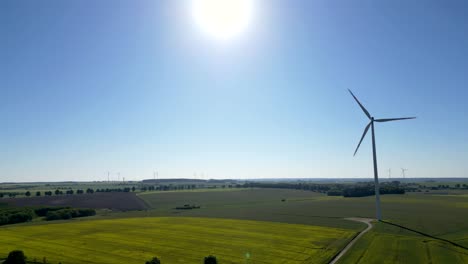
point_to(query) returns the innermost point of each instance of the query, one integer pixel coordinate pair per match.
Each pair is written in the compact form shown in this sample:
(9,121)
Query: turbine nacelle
(372,120)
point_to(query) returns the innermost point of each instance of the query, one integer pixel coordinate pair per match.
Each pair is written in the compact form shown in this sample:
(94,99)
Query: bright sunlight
(222,19)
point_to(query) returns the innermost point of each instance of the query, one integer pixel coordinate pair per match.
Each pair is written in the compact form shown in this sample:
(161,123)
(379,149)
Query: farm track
(356,238)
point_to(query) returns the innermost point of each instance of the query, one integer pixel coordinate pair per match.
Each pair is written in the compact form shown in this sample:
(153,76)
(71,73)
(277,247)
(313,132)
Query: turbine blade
(393,119)
(363,135)
(359,103)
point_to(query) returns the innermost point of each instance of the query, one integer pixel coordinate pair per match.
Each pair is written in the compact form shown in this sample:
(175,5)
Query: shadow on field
(424,234)
(319,216)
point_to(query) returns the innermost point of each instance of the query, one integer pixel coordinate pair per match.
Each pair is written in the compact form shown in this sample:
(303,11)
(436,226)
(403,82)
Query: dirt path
(351,243)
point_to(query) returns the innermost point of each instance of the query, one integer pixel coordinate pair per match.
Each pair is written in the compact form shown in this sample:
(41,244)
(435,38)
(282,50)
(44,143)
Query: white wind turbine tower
(155,175)
(403,172)
(374,152)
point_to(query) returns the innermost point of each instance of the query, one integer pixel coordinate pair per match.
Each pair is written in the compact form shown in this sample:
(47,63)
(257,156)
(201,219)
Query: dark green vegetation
(9,215)
(68,213)
(334,189)
(15,215)
(187,207)
(369,190)
(15,257)
(154,260)
(210,260)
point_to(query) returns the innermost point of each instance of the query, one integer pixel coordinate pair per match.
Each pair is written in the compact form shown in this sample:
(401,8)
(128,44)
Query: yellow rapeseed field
(174,240)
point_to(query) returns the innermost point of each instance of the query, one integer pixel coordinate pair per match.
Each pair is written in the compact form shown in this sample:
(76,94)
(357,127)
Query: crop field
(113,200)
(174,240)
(389,244)
(250,204)
(443,216)
(438,215)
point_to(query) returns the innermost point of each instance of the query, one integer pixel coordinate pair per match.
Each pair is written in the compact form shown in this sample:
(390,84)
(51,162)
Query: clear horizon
(92,87)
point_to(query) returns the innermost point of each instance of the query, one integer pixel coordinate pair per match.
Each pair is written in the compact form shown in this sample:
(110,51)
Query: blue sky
(89,87)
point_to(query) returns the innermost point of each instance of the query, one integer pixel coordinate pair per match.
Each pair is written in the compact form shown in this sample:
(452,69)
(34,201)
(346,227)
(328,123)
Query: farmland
(438,215)
(442,216)
(401,246)
(215,210)
(175,240)
(115,201)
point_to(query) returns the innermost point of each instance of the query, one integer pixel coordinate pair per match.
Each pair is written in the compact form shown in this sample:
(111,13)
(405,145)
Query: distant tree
(15,257)
(57,192)
(154,260)
(133,188)
(38,193)
(1,195)
(210,260)
(28,193)
(89,190)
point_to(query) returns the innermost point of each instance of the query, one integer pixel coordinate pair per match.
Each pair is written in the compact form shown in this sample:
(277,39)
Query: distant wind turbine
(374,152)
(403,172)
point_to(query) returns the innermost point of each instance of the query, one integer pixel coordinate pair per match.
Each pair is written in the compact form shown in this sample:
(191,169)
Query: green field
(175,240)
(389,244)
(443,216)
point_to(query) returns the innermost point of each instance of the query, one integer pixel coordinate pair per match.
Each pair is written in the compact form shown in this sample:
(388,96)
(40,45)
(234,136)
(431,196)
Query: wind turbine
(403,172)
(374,152)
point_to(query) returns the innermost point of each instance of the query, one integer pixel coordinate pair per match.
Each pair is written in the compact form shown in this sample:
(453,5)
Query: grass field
(175,240)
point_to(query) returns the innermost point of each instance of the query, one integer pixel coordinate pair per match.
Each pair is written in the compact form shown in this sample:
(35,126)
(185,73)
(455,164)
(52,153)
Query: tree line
(20,215)
(18,257)
(332,189)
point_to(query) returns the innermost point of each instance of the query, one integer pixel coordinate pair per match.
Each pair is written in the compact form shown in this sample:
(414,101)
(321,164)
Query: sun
(222,19)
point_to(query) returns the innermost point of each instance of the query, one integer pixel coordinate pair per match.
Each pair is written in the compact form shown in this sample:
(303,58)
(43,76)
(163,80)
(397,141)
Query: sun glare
(222,19)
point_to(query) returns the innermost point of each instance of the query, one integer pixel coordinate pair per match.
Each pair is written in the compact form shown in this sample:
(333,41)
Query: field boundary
(424,234)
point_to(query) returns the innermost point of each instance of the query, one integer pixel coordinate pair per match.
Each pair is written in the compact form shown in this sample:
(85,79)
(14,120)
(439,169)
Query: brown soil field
(122,201)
